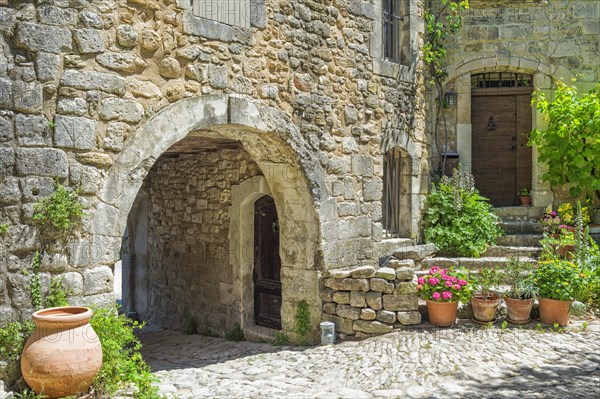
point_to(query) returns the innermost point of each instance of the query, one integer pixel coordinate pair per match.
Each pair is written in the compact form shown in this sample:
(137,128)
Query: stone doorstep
(469,263)
(519,213)
(254,333)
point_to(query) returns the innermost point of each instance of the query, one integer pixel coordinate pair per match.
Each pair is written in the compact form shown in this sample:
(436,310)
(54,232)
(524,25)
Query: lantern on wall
(450,98)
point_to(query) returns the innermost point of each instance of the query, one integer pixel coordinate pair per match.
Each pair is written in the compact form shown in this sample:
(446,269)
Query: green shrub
(122,361)
(189,326)
(57,295)
(12,339)
(458,220)
(281,339)
(236,333)
(3,228)
(302,319)
(57,215)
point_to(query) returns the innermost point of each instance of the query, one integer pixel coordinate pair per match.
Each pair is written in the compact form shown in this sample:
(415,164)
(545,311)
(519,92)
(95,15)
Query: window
(392,30)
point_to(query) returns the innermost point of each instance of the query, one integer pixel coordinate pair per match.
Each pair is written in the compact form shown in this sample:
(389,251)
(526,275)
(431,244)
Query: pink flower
(456,286)
(443,272)
(421,280)
(448,283)
(433,280)
(446,278)
(436,295)
(454,279)
(446,295)
(434,269)
(462,282)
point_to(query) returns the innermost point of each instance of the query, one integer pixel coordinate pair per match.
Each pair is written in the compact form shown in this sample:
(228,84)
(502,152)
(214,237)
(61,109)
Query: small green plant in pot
(442,289)
(485,301)
(522,290)
(556,282)
(525,196)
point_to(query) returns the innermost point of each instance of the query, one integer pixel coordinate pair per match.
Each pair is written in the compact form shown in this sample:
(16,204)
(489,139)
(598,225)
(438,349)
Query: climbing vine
(442,19)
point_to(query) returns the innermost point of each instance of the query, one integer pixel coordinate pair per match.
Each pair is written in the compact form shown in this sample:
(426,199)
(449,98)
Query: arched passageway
(190,176)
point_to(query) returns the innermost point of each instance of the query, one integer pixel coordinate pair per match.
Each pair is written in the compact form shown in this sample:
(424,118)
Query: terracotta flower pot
(554,311)
(484,309)
(442,314)
(525,200)
(566,251)
(518,310)
(64,354)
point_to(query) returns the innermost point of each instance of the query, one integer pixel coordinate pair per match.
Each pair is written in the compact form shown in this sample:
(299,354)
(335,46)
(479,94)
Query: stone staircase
(521,239)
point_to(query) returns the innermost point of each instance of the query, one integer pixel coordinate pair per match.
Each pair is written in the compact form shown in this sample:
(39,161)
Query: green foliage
(3,228)
(236,334)
(29,394)
(438,26)
(557,279)
(517,276)
(458,219)
(207,332)
(122,361)
(12,339)
(58,214)
(281,339)
(35,284)
(570,146)
(484,280)
(302,319)
(189,326)
(57,295)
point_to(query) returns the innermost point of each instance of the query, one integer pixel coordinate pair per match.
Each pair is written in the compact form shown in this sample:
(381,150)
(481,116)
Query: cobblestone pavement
(427,363)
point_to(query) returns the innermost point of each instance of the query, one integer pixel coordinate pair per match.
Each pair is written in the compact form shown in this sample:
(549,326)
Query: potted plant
(519,296)
(566,243)
(556,282)
(442,289)
(485,302)
(524,196)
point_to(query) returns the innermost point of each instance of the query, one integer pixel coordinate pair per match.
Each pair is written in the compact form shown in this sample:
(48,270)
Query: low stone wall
(365,301)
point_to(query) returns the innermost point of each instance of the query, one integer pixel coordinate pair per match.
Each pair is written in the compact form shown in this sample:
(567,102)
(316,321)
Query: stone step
(521,227)
(519,213)
(517,240)
(469,263)
(520,251)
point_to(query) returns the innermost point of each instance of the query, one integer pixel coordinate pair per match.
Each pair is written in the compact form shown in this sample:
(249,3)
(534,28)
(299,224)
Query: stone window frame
(215,30)
(413,25)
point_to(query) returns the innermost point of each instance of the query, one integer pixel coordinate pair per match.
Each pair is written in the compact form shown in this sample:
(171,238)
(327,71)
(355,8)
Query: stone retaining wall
(366,300)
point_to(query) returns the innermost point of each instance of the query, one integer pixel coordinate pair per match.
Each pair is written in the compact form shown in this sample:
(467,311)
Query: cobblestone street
(465,362)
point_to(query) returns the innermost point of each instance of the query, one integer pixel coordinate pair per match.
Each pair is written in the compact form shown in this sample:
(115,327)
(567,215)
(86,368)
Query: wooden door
(267,264)
(501,158)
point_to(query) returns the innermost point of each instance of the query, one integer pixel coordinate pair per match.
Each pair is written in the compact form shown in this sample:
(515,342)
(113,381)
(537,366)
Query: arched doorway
(284,160)
(501,122)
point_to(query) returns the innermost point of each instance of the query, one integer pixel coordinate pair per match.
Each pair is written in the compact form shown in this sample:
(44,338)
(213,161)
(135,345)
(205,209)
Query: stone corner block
(74,132)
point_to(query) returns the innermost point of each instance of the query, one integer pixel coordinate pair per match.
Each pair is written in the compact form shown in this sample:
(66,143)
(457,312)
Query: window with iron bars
(394,202)
(392,28)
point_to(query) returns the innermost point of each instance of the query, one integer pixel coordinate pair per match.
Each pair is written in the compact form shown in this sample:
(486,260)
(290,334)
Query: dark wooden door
(501,159)
(267,264)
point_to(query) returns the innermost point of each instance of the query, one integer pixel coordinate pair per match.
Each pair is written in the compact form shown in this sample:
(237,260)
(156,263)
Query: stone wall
(366,300)
(93,92)
(189,270)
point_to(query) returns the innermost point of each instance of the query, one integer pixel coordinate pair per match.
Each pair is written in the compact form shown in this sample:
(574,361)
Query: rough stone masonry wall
(365,300)
(188,246)
(79,79)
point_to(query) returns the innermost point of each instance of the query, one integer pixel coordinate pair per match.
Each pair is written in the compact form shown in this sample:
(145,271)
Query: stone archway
(459,79)
(292,175)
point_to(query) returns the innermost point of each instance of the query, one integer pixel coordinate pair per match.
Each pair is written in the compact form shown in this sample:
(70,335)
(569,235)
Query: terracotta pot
(554,311)
(566,251)
(525,200)
(518,310)
(64,354)
(484,309)
(442,314)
